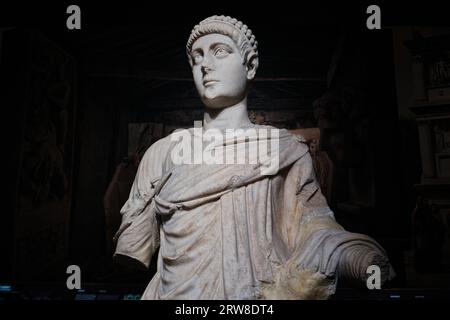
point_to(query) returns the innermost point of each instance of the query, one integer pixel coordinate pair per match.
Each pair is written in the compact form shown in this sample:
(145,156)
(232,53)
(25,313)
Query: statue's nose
(206,65)
(206,70)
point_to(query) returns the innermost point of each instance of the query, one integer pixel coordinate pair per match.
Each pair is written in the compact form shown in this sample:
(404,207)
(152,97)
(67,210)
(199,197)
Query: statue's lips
(209,82)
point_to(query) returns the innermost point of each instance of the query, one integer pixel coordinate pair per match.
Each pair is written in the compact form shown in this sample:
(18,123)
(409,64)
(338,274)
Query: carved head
(223,54)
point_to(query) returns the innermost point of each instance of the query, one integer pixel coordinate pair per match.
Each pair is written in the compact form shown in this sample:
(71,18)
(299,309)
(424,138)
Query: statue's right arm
(138,236)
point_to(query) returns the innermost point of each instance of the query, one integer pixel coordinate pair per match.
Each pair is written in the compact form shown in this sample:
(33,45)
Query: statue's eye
(197,58)
(221,52)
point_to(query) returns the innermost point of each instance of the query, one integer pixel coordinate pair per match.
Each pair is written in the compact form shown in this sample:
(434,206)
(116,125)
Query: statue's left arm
(314,249)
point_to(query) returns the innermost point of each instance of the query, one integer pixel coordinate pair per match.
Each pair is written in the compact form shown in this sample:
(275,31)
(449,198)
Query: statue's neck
(232,117)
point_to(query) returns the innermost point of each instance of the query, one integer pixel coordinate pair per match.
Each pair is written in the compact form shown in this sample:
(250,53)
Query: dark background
(69,96)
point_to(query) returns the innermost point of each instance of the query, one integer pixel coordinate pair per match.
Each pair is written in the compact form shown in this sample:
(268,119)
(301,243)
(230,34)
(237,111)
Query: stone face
(231,231)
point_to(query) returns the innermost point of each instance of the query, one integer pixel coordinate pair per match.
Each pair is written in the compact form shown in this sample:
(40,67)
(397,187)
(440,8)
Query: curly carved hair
(241,35)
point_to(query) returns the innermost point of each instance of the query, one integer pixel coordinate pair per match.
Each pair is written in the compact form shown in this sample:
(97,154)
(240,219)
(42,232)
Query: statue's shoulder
(158,150)
(295,135)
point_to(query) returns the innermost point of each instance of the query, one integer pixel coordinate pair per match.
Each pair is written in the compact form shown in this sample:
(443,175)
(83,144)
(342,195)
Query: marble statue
(235,231)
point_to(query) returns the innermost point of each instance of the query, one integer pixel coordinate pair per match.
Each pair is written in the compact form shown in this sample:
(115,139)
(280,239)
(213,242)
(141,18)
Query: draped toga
(226,231)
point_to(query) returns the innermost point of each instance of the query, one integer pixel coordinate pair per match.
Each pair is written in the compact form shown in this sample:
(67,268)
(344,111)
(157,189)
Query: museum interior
(82,106)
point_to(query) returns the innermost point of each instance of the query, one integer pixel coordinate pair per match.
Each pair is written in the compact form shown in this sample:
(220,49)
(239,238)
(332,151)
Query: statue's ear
(252,65)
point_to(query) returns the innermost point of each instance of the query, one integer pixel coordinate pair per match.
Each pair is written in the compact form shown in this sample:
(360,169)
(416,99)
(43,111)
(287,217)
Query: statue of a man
(243,230)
